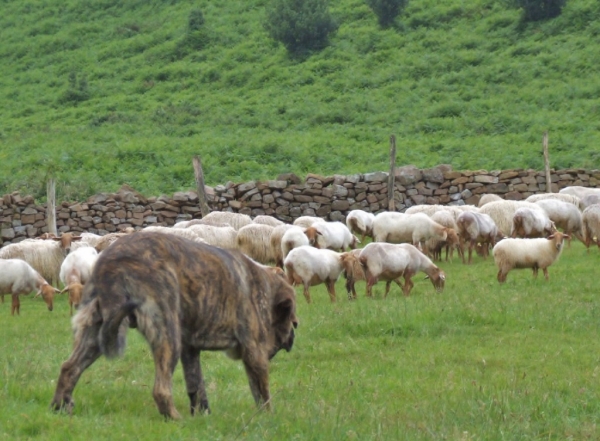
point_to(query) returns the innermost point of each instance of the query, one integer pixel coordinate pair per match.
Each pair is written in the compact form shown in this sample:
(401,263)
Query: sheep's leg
(16,305)
(370,282)
(471,245)
(535,271)
(330,284)
(194,382)
(388,284)
(502,276)
(306,293)
(2,298)
(545,270)
(408,284)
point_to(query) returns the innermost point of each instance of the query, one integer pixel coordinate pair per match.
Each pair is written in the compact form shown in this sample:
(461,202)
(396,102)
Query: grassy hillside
(104,93)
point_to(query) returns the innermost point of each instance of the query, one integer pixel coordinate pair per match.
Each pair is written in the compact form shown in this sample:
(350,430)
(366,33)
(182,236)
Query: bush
(300,25)
(534,10)
(387,10)
(77,90)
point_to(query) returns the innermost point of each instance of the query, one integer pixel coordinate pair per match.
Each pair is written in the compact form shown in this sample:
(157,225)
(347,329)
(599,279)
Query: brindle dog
(183,297)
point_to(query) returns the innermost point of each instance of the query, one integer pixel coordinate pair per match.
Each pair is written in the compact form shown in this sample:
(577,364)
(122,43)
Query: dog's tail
(113,330)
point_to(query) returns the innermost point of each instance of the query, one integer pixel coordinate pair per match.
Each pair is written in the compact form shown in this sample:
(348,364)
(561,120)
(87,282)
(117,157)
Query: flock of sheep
(519,234)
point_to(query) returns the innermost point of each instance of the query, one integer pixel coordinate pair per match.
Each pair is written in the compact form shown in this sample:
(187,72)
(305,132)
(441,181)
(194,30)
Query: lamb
(45,256)
(236,220)
(360,222)
(531,223)
(311,266)
(528,253)
(487,198)
(591,226)
(435,246)
(275,240)
(307,221)
(293,237)
(414,228)
(353,271)
(565,216)
(391,261)
(17,277)
(331,235)
(75,271)
(267,220)
(254,240)
(474,228)
(571,199)
(502,213)
(223,237)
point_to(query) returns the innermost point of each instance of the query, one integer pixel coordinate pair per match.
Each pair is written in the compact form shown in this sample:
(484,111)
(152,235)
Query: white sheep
(275,240)
(182,232)
(575,200)
(477,228)
(591,226)
(502,213)
(487,198)
(293,237)
(45,256)
(17,277)
(579,191)
(223,237)
(75,271)
(311,266)
(331,235)
(267,220)
(414,228)
(308,221)
(565,216)
(588,200)
(389,262)
(531,223)
(536,254)
(360,222)
(435,246)
(236,220)
(254,240)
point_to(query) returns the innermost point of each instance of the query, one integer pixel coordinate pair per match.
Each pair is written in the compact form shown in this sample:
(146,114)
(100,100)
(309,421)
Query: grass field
(478,362)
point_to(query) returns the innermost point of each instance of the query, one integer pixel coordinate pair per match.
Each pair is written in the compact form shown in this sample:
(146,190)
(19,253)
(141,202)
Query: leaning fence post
(51,206)
(199,174)
(547,164)
(392,175)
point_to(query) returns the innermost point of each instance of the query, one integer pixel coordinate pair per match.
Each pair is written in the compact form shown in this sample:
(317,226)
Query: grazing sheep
(591,226)
(45,256)
(590,199)
(474,228)
(308,221)
(571,199)
(254,240)
(502,213)
(75,271)
(389,262)
(360,222)
(293,237)
(267,220)
(528,253)
(579,191)
(311,266)
(275,240)
(18,277)
(353,271)
(531,223)
(331,235)
(435,246)
(487,198)
(181,232)
(222,237)
(236,220)
(565,216)
(414,228)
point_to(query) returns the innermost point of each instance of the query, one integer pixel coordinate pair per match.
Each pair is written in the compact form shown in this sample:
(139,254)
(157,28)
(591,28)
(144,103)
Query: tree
(534,10)
(300,25)
(387,10)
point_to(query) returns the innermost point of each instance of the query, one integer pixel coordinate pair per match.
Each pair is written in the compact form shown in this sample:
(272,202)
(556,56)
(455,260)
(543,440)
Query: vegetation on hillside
(103,93)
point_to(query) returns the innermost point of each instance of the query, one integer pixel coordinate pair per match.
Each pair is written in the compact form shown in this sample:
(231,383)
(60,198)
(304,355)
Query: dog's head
(284,319)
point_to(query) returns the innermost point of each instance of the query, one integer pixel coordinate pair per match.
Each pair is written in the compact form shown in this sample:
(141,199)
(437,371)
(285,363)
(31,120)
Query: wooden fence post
(547,164)
(392,175)
(199,174)
(51,206)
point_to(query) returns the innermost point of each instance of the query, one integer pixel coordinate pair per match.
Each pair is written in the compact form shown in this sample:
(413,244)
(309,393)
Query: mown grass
(478,362)
(103,93)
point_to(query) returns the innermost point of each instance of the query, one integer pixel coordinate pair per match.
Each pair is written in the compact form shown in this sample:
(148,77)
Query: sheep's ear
(57,239)
(566,236)
(426,277)
(37,294)
(65,289)
(442,276)
(75,238)
(357,239)
(550,237)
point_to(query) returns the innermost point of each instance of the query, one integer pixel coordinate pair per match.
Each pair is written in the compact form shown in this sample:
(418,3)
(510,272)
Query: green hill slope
(104,93)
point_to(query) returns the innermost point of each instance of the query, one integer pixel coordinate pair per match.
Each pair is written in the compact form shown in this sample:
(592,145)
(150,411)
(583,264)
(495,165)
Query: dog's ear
(286,310)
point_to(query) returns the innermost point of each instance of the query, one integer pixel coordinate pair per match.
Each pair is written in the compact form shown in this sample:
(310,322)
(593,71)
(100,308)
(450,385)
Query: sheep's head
(75,291)
(312,234)
(353,269)
(438,279)
(559,239)
(65,241)
(47,292)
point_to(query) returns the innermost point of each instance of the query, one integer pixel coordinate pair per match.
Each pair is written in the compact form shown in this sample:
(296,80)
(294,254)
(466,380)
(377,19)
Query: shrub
(534,10)
(300,25)
(77,90)
(387,10)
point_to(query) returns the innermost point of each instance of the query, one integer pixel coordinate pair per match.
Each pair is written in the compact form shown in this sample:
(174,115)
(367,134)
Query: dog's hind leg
(190,359)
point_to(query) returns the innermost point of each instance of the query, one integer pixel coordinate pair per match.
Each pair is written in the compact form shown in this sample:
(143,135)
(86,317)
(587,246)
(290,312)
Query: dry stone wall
(286,198)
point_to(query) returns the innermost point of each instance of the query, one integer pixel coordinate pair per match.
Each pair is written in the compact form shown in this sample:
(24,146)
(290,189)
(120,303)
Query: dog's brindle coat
(183,297)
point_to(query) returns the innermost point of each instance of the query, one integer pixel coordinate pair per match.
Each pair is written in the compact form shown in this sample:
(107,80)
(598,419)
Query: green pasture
(480,361)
